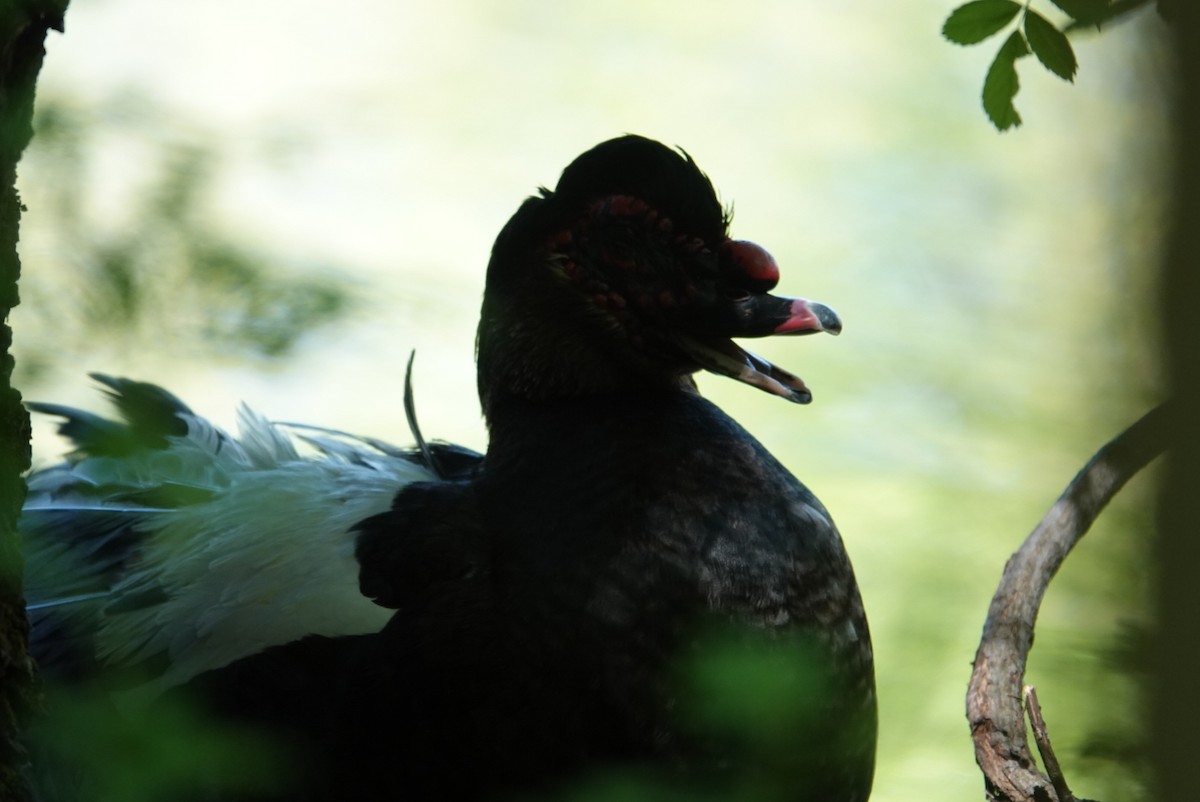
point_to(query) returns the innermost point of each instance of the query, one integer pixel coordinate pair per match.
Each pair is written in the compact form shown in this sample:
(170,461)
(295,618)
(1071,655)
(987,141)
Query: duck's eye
(737,295)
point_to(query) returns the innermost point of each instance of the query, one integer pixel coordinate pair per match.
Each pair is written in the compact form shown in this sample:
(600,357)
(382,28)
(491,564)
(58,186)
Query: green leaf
(978,20)
(1083,11)
(1001,84)
(1050,45)
(1100,12)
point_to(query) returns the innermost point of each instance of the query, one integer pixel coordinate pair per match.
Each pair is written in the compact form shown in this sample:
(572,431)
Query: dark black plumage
(616,516)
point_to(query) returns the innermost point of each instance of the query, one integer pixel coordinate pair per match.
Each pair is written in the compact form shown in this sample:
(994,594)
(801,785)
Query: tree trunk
(1175,692)
(23,27)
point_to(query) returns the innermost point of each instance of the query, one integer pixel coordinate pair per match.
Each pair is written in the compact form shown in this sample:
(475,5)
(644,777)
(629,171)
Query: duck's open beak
(762,316)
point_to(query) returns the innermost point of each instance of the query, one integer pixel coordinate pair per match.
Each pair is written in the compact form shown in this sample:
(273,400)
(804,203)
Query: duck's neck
(587,425)
(548,355)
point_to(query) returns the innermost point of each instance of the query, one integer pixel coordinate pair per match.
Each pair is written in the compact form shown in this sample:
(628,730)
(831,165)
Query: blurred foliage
(754,693)
(88,750)
(751,698)
(973,22)
(164,271)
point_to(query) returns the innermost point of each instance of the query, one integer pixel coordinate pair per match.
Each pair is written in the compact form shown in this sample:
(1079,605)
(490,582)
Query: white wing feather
(266,559)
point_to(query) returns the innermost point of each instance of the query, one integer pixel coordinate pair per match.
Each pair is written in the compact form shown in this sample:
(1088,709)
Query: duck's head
(625,278)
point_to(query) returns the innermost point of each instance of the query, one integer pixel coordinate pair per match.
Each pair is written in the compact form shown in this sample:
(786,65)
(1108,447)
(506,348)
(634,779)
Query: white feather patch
(267,559)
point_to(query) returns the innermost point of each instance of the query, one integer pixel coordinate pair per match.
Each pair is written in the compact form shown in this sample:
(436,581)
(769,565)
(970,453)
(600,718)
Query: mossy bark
(23,28)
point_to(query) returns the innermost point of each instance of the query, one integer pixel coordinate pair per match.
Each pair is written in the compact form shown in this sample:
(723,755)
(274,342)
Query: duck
(435,623)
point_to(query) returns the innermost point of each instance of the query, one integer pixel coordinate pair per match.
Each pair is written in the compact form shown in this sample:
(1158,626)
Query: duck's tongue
(776,316)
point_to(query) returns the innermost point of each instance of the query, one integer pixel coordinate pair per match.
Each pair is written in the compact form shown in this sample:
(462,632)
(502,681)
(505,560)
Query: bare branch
(1041,736)
(994,694)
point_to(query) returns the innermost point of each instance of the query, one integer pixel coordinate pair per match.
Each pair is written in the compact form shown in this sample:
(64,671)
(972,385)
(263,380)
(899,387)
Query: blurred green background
(273,203)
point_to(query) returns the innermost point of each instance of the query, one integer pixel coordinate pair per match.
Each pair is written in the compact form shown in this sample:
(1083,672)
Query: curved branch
(994,695)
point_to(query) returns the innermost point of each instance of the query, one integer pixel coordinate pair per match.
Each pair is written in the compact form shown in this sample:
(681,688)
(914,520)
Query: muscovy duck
(534,609)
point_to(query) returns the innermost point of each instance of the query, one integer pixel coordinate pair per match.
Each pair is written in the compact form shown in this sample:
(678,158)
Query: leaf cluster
(978,20)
